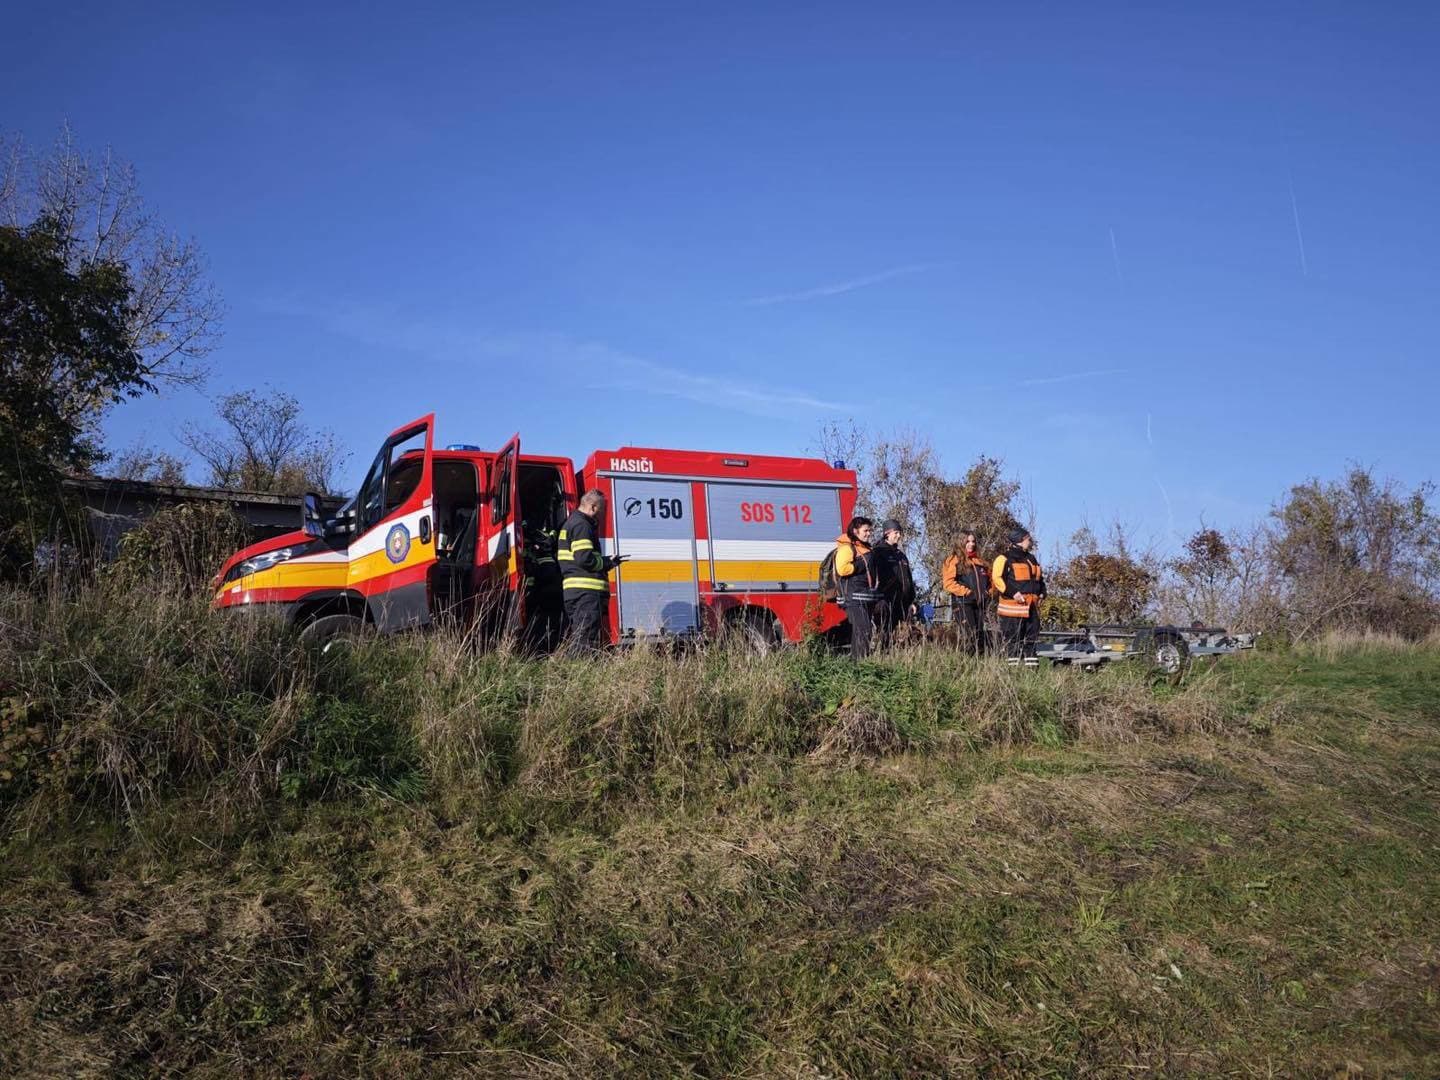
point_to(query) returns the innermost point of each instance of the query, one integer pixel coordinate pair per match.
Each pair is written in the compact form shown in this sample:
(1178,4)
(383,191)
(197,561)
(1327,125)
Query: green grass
(407,860)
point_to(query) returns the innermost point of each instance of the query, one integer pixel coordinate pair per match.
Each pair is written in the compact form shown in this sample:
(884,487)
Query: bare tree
(1361,552)
(984,500)
(902,471)
(847,442)
(264,445)
(94,203)
(140,461)
(895,474)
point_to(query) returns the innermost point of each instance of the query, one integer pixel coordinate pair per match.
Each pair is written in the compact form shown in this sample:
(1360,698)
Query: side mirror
(314,521)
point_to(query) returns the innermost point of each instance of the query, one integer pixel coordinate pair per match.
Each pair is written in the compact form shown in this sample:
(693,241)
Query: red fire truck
(713,541)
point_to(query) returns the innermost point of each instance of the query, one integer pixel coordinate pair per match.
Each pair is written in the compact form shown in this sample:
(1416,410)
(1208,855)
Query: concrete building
(114,507)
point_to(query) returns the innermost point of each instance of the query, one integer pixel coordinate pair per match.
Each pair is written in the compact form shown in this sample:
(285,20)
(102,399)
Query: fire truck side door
(505,558)
(394,547)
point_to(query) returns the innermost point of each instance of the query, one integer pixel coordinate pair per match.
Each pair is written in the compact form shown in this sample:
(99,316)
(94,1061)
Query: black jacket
(542,566)
(582,565)
(896,580)
(1029,581)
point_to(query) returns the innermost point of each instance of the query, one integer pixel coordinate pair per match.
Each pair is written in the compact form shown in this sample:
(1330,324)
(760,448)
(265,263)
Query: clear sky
(1163,259)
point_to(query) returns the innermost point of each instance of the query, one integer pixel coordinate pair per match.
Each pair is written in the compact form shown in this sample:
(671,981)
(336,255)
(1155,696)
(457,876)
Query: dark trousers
(886,615)
(544,619)
(969,621)
(862,626)
(585,611)
(1019,636)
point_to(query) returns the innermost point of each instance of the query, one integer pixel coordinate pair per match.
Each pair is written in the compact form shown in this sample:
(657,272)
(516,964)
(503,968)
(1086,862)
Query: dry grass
(414,859)
(1336,644)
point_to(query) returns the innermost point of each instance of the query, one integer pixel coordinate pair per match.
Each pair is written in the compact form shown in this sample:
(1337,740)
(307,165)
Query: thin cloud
(753,398)
(1169,507)
(535,352)
(839,287)
(1073,377)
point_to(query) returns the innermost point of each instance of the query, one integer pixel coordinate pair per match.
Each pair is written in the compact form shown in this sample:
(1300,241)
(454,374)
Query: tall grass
(225,854)
(127,694)
(1336,644)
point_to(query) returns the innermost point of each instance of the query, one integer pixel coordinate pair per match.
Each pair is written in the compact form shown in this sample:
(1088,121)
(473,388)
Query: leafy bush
(179,547)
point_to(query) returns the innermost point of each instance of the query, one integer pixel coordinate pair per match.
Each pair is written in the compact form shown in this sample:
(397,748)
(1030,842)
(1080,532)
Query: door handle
(425,529)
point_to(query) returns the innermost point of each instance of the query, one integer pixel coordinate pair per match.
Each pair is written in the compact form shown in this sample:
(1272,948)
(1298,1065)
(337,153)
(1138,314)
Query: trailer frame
(1169,649)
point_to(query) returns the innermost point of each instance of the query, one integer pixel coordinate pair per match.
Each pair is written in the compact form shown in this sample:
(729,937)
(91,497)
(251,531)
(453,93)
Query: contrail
(839,287)
(1300,236)
(1169,510)
(1115,256)
(1072,376)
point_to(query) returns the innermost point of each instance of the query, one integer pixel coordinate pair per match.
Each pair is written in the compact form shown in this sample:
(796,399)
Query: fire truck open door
(504,593)
(394,548)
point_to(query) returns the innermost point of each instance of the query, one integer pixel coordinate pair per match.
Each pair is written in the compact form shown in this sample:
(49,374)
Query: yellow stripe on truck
(671,570)
(378,562)
(297,574)
(664,570)
(767,570)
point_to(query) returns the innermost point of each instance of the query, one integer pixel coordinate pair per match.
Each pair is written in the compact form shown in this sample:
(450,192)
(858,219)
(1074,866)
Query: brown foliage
(901,476)
(1116,585)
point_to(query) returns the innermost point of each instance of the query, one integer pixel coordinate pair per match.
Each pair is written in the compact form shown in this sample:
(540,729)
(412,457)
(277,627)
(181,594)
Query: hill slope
(225,856)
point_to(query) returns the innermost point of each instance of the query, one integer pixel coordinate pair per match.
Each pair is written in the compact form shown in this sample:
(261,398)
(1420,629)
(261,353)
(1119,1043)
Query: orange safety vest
(1019,578)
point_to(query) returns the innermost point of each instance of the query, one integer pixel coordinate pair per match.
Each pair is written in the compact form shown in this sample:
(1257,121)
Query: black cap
(888,524)
(1017,534)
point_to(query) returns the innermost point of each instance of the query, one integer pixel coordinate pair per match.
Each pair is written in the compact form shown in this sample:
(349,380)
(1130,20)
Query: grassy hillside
(227,856)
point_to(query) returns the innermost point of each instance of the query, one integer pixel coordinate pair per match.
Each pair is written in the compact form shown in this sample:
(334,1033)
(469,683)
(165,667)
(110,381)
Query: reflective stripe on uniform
(592,584)
(1014,609)
(581,545)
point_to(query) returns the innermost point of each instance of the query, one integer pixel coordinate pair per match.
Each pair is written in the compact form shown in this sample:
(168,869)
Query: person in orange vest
(857,583)
(966,577)
(1020,586)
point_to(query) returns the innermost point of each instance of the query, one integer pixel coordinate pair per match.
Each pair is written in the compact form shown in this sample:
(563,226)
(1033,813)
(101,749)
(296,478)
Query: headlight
(264,561)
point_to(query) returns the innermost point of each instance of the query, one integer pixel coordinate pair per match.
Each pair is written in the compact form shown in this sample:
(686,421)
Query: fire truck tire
(753,632)
(1171,656)
(329,630)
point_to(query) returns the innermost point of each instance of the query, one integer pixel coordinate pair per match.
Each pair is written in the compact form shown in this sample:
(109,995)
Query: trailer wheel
(333,631)
(1171,656)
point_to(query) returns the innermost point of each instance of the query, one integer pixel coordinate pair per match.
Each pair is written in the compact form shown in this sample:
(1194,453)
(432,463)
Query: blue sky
(1162,259)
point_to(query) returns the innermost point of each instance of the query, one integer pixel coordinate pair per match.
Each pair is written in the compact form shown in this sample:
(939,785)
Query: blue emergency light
(462,446)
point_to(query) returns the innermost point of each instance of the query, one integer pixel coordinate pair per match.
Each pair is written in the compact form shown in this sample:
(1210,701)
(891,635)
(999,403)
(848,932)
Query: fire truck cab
(712,541)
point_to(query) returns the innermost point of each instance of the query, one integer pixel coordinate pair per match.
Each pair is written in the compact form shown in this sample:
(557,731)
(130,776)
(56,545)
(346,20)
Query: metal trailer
(1169,649)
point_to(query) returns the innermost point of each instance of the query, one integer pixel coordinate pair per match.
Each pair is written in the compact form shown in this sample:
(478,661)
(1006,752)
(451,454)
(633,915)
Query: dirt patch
(1411,971)
(865,890)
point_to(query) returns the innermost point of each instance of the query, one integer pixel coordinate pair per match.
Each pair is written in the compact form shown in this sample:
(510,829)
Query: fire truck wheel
(753,632)
(330,630)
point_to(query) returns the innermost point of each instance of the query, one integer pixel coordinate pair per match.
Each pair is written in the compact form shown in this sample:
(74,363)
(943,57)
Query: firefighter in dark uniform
(1020,586)
(544,594)
(584,575)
